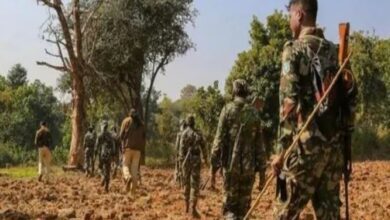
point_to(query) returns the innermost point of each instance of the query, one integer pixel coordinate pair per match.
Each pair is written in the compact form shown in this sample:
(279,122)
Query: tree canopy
(17,76)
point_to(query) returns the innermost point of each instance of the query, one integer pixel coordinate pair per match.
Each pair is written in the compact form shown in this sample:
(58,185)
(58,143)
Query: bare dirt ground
(74,195)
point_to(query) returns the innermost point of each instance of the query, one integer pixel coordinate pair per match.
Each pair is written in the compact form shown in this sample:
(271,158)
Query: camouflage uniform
(104,150)
(117,151)
(313,170)
(89,146)
(178,169)
(191,146)
(237,148)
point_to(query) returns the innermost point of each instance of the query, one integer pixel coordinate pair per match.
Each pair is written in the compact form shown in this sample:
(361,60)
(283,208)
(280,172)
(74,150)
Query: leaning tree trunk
(76,154)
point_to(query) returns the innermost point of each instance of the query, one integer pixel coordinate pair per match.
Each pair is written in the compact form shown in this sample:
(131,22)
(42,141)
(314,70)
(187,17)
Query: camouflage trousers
(106,170)
(237,194)
(313,172)
(116,162)
(191,177)
(178,171)
(89,166)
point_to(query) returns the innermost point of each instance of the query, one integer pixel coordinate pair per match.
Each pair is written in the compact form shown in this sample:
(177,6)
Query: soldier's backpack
(107,148)
(322,67)
(248,120)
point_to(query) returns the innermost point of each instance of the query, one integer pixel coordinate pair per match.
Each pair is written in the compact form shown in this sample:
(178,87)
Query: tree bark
(76,68)
(76,153)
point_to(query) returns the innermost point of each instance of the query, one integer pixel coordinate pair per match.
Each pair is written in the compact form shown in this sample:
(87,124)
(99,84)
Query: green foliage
(23,105)
(20,172)
(371,67)
(30,171)
(187,92)
(260,65)
(11,155)
(371,143)
(132,40)
(161,143)
(17,76)
(60,154)
(206,105)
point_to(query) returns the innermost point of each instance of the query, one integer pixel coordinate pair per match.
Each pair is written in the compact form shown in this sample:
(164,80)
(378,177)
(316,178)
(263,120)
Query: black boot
(187,206)
(195,213)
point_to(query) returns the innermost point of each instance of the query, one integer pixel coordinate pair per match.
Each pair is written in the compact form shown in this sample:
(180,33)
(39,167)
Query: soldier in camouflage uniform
(237,148)
(178,170)
(117,150)
(191,146)
(89,146)
(104,150)
(314,168)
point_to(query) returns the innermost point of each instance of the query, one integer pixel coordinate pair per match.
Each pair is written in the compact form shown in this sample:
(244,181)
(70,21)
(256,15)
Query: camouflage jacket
(105,145)
(178,138)
(191,144)
(308,65)
(117,142)
(43,138)
(89,141)
(237,145)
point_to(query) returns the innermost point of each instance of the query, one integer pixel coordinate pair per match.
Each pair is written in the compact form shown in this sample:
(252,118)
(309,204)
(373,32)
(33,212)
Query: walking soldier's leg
(186,174)
(326,199)
(195,184)
(305,166)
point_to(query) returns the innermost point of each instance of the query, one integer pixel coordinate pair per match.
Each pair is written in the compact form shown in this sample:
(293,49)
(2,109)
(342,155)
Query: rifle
(296,139)
(184,163)
(347,169)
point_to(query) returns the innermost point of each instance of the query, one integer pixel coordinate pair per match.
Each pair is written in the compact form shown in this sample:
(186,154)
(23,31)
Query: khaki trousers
(44,160)
(130,165)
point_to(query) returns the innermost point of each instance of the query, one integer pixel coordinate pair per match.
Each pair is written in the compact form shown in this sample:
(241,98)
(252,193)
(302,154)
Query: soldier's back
(89,140)
(106,142)
(317,63)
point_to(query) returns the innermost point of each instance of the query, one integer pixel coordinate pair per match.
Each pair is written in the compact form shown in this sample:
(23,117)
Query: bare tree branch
(49,3)
(56,41)
(59,68)
(52,54)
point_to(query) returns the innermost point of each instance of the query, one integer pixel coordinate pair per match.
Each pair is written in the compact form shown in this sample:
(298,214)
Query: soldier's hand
(277,164)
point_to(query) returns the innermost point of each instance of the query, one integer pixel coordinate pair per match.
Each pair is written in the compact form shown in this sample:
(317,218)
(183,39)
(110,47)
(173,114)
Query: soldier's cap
(240,88)
(43,123)
(90,128)
(190,120)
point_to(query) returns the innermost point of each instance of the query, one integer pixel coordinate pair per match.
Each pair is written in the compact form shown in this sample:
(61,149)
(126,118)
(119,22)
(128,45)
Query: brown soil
(159,198)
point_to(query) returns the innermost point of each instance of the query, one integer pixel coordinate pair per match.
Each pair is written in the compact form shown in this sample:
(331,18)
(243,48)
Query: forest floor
(73,195)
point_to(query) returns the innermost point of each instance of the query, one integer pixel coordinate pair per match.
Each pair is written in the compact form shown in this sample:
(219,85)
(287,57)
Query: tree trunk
(76,154)
(137,104)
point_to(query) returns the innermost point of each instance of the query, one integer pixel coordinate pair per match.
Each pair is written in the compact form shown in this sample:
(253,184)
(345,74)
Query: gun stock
(343,46)
(343,51)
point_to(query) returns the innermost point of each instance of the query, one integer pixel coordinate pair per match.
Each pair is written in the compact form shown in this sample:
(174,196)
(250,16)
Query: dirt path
(369,197)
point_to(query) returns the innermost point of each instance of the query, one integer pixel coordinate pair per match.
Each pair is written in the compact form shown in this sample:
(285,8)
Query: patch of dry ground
(74,195)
